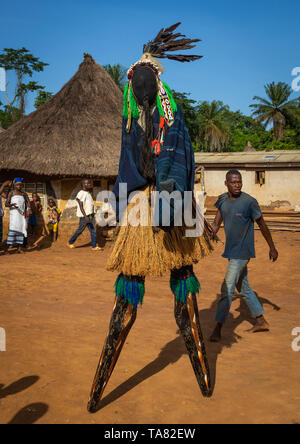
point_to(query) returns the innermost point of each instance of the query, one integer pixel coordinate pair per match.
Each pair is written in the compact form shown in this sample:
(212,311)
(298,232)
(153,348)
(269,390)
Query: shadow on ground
(31,413)
(18,386)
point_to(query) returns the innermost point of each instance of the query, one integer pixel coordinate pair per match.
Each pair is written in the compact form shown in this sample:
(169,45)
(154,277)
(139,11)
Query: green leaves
(277,109)
(24,64)
(188,108)
(42,97)
(8,115)
(214,127)
(278,93)
(21,60)
(118,74)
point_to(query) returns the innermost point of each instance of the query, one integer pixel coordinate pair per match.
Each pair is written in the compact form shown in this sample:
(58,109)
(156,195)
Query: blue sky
(245,44)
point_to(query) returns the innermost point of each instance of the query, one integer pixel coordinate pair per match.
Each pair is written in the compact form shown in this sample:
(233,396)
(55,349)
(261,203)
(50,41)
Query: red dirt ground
(55,307)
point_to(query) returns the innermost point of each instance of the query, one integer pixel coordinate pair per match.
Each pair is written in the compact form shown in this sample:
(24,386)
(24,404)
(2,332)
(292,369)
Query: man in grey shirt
(239,211)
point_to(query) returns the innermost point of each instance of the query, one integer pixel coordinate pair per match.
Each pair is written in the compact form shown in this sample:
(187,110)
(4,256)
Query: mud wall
(281,188)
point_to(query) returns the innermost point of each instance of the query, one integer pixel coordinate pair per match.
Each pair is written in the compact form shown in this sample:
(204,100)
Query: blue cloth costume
(175,166)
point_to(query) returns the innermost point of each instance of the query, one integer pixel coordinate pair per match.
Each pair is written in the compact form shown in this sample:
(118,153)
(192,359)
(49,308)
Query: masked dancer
(156,155)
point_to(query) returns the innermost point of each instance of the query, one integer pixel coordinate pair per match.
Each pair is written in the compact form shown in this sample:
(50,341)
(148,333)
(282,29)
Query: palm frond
(262,100)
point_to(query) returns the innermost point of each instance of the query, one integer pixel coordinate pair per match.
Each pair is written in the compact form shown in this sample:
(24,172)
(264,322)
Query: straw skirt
(142,251)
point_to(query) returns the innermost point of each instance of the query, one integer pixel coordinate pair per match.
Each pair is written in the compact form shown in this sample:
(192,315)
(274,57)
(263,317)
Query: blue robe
(175,166)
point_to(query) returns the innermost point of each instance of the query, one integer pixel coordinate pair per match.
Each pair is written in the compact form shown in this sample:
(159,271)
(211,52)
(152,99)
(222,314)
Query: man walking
(239,211)
(86,214)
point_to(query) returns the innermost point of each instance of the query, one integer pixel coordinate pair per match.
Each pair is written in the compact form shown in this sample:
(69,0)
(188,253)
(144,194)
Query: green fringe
(132,292)
(134,107)
(182,288)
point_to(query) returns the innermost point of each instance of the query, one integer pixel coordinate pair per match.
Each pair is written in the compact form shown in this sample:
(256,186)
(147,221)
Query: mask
(144,86)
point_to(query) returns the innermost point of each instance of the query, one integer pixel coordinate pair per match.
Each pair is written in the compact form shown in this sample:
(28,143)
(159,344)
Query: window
(30,188)
(260,177)
(198,177)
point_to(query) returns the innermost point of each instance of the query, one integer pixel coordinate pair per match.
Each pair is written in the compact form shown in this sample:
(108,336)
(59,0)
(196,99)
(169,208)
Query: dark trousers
(82,226)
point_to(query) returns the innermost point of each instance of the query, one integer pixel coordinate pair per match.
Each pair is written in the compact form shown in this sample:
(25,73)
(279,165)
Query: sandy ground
(55,307)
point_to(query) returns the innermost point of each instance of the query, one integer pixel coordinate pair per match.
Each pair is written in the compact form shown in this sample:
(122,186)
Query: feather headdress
(166,42)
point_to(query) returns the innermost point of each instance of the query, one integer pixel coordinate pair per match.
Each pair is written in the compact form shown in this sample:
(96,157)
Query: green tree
(213,129)
(42,97)
(188,109)
(23,64)
(118,74)
(244,129)
(277,109)
(8,115)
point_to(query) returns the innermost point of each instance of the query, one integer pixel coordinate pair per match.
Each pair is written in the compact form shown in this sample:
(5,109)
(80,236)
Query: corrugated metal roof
(258,157)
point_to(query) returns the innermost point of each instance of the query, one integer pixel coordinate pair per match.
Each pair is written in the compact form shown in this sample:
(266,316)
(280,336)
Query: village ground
(55,308)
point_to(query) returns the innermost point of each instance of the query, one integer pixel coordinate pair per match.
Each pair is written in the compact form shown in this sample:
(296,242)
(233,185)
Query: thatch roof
(249,148)
(1,129)
(76,133)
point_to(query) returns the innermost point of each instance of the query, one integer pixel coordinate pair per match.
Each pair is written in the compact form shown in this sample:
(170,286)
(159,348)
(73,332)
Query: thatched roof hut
(77,133)
(1,129)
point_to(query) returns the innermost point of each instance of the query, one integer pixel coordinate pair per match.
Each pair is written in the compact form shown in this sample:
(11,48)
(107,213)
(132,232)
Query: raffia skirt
(141,251)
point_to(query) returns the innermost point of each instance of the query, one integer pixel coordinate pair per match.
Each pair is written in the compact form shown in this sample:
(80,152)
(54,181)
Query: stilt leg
(187,318)
(123,317)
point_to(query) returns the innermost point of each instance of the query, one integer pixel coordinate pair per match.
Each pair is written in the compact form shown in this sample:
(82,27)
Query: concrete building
(273,178)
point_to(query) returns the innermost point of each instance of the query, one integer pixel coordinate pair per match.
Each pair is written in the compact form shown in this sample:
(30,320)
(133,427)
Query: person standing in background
(53,213)
(4,196)
(36,209)
(18,202)
(86,214)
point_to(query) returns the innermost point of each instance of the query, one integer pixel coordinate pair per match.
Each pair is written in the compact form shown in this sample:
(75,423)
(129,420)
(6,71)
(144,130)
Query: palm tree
(118,74)
(277,110)
(213,129)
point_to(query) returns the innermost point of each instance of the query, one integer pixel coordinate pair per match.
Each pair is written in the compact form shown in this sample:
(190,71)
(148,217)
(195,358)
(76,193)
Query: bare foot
(261,325)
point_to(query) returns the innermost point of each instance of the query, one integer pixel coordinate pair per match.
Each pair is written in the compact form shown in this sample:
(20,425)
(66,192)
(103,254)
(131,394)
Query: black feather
(166,41)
